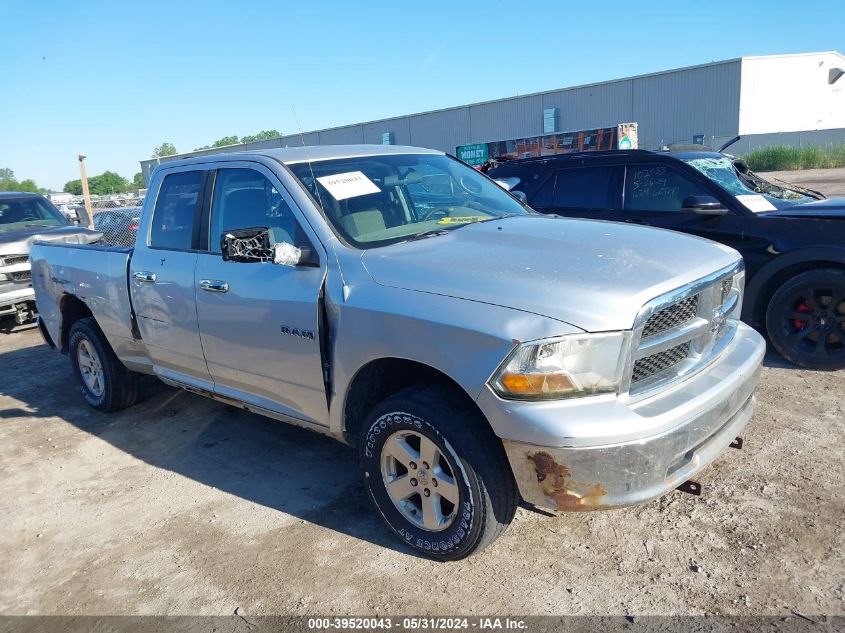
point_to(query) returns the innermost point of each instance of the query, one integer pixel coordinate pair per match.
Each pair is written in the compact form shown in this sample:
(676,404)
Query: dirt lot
(184,506)
(831,182)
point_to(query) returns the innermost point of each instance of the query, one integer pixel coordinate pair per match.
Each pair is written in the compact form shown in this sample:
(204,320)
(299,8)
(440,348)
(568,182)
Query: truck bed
(96,274)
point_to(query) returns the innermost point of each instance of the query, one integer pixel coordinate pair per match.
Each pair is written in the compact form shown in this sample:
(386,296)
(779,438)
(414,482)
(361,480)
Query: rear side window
(175,210)
(542,198)
(583,188)
(658,188)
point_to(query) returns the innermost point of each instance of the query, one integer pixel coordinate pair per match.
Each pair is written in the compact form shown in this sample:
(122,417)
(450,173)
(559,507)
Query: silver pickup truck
(475,353)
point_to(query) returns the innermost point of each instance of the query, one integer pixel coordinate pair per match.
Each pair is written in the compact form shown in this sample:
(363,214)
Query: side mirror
(521,195)
(262,244)
(704,205)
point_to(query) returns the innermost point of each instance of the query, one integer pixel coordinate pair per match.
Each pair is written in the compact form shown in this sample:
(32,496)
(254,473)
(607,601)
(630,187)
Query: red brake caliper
(799,323)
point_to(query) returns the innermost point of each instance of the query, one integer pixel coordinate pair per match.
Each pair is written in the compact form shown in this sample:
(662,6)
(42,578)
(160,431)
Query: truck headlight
(567,367)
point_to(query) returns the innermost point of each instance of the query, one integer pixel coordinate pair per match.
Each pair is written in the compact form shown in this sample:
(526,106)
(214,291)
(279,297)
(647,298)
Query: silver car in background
(24,219)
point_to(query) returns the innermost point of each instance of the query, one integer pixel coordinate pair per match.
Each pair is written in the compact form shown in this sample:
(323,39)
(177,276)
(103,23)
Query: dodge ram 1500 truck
(474,352)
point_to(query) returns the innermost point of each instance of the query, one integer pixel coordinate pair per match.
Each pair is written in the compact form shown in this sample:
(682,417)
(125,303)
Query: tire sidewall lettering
(433,542)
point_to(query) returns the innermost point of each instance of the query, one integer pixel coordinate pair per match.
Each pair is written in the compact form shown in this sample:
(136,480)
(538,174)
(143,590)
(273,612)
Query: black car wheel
(805,319)
(436,473)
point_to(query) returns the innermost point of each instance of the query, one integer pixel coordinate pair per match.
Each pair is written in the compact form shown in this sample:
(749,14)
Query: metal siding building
(717,100)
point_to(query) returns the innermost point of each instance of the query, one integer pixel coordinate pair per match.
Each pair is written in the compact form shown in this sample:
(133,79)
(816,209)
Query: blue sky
(115,79)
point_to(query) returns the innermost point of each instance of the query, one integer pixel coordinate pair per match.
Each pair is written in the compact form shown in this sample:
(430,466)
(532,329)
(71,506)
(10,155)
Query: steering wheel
(428,216)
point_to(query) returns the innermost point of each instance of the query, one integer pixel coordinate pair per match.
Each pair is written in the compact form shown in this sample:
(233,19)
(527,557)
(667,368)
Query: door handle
(143,275)
(214,285)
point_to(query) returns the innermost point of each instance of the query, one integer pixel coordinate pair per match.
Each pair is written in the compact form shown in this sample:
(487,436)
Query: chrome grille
(682,331)
(23,275)
(13,260)
(727,284)
(656,363)
(671,316)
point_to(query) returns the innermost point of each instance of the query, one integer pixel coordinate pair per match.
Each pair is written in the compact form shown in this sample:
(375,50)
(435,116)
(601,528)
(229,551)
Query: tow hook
(691,488)
(737,443)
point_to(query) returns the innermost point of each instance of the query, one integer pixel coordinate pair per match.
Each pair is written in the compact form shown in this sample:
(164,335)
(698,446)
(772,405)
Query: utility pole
(86,197)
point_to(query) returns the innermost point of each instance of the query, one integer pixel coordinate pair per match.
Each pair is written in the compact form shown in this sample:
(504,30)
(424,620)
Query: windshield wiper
(425,234)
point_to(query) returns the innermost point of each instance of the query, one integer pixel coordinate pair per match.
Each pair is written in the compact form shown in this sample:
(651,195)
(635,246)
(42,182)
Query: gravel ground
(181,505)
(831,182)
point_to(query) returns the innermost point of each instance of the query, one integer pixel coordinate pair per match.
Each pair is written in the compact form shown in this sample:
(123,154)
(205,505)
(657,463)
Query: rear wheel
(805,319)
(436,473)
(106,383)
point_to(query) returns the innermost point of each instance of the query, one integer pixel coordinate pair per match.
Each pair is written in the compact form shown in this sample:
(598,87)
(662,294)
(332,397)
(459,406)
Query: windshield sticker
(348,185)
(463,220)
(756,202)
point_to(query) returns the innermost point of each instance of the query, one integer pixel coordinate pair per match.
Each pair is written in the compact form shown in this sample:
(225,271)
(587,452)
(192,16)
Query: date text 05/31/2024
(417,623)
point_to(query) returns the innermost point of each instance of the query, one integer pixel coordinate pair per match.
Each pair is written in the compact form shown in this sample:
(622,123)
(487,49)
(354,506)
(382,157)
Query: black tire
(119,387)
(488,493)
(805,319)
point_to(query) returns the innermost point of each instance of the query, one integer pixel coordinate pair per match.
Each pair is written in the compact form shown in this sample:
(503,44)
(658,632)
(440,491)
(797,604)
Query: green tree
(106,183)
(138,181)
(165,149)
(74,187)
(263,135)
(9,183)
(226,140)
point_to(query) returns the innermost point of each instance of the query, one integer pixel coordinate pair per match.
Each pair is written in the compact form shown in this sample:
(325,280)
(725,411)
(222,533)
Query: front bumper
(13,294)
(648,448)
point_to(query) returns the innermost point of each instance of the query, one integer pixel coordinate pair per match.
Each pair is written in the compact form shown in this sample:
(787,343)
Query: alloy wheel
(90,367)
(420,480)
(813,320)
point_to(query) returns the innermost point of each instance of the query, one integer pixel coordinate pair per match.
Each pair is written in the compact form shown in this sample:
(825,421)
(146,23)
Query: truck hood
(19,242)
(826,209)
(590,274)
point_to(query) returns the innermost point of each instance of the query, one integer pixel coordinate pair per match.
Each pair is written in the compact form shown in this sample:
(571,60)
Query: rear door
(591,191)
(161,278)
(259,321)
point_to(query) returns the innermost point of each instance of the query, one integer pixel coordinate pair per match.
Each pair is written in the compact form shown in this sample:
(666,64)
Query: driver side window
(658,188)
(244,199)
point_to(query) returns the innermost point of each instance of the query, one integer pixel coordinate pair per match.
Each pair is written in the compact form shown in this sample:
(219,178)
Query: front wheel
(436,473)
(805,319)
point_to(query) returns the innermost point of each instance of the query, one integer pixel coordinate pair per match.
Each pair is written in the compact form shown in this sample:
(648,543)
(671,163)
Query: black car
(792,240)
(119,226)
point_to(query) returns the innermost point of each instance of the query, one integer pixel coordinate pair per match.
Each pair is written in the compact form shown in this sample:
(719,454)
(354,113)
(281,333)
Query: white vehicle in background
(24,219)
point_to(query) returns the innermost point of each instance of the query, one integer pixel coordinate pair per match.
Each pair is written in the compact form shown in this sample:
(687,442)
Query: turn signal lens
(527,384)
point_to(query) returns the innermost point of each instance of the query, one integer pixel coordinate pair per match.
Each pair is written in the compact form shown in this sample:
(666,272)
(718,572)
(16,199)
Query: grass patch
(782,158)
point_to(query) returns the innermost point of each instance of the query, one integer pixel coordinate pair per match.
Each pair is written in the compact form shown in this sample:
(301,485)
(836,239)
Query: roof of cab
(19,194)
(306,153)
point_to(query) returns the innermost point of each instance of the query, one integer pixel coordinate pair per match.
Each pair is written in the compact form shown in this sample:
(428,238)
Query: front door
(654,194)
(161,277)
(258,321)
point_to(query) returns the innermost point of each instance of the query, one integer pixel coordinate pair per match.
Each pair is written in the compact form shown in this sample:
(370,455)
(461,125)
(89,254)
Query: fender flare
(757,285)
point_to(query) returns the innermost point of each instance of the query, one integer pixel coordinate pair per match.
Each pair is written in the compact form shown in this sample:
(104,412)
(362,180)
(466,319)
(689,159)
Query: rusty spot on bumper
(555,483)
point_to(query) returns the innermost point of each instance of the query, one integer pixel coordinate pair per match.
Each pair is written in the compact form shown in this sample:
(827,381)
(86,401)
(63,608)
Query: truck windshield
(723,172)
(383,199)
(24,213)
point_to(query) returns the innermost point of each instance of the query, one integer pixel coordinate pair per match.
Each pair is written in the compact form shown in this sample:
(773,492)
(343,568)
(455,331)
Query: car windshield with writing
(378,200)
(756,194)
